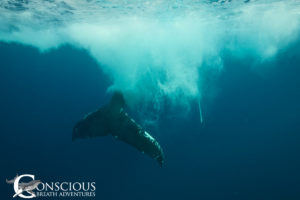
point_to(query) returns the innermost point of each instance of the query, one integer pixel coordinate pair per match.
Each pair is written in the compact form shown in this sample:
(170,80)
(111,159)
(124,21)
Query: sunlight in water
(154,50)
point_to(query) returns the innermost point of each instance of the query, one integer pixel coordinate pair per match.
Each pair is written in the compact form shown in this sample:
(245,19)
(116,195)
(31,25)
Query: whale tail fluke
(12,180)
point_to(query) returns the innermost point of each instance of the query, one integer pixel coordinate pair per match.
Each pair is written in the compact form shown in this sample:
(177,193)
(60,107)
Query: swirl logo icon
(22,188)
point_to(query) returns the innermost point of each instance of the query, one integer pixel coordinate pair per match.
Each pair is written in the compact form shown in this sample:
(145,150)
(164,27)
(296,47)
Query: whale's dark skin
(111,119)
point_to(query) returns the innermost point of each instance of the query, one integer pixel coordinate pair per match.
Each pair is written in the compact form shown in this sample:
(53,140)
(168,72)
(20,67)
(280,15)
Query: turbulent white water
(153,49)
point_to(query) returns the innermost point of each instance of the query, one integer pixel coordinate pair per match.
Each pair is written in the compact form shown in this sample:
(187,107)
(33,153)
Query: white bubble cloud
(154,50)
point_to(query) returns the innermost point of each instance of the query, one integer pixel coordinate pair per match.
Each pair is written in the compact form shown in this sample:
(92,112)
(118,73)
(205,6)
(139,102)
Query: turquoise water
(154,50)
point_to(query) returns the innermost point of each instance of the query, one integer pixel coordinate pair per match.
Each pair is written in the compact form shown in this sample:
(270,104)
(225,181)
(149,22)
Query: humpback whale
(111,119)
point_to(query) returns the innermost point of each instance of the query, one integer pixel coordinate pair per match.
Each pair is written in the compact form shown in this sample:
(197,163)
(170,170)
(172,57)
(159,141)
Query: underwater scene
(150,99)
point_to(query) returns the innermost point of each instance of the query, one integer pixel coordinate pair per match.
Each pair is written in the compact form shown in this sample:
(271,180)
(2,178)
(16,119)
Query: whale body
(111,119)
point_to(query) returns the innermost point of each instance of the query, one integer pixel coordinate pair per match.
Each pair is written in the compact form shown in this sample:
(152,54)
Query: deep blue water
(248,147)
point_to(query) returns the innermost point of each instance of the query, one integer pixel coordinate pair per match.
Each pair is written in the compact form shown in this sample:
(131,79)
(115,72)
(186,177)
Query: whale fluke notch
(111,119)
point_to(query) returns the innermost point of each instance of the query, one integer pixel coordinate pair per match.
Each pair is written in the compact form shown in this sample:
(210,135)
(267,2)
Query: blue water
(247,146)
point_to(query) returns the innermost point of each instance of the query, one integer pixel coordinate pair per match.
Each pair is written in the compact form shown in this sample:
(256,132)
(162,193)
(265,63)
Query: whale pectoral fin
(111,119)
(133,134)
(99,123)
(18,193)
(31,192)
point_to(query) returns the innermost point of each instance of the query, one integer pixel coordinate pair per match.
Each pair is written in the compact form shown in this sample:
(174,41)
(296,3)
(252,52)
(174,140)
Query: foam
(155,50)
